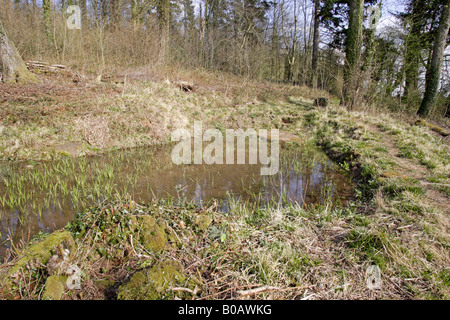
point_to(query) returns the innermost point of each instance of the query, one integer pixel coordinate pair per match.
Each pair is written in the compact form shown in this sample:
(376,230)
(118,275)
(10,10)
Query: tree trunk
(316,39)
(434,70)
(275,43)
(115,14)
(137,9)
(163,12)
(413,50)
(46,9)
(83,8)
(12,67)
(290,58)
(353,52)
(289,66)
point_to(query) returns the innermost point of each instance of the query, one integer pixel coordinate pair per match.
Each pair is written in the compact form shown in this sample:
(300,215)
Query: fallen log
(185,86)
(433,127)
(44,66)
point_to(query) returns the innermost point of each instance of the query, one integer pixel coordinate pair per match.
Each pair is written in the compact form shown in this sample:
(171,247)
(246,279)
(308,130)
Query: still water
(45,196)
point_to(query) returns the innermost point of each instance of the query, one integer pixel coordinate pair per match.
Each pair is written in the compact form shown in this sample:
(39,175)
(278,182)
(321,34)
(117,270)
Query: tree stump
(321,102)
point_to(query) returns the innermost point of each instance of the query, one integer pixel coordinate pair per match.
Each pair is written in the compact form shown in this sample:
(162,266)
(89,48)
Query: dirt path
(408,168)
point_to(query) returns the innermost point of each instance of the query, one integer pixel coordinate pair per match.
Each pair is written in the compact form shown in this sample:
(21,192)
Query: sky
(386,19)
(390,6)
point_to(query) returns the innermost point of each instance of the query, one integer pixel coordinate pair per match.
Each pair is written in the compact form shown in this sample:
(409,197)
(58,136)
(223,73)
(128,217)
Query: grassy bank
(73,114)
(399,221)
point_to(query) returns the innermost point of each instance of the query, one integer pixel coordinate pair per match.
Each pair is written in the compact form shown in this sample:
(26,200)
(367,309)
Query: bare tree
(316,39)
(46,9)
(292,48)
(83,7)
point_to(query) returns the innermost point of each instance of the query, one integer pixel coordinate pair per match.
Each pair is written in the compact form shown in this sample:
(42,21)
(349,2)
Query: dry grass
(68,106)
(399,222)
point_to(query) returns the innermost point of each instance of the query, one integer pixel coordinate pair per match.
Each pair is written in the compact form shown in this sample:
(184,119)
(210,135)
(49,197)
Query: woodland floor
(398,222)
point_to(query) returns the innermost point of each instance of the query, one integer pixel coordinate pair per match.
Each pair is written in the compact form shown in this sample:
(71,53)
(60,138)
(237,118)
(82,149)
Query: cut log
(44,67)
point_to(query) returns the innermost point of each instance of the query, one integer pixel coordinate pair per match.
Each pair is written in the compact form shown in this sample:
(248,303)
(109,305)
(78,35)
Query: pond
(45,196)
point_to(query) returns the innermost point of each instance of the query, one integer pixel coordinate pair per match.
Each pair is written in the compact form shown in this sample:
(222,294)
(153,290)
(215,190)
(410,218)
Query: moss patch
(153,284)
(54,288)
(432,127)
(104,284)
(153,236)
(43,250)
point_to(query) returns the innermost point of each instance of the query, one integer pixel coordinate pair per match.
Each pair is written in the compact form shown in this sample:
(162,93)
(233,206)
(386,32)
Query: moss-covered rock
(43,250)
(153,283)
(54,288)
(152,235)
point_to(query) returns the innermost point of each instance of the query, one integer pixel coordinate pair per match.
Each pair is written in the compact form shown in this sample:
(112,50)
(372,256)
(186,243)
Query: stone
(152,235)
(43,250)
(54,288)
(152,284)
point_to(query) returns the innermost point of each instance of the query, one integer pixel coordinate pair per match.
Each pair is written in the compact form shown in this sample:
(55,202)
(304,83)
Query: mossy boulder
(152,235)
(153,283)
(54,288)
(43,250)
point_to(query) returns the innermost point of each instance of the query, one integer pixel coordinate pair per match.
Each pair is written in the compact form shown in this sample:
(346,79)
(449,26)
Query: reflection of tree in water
(305,176)
(303,181)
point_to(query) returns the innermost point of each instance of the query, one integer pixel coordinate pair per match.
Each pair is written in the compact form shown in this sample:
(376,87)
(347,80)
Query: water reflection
(55,191)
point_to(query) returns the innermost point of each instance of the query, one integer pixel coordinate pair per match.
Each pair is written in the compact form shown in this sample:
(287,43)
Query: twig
(435,183)
(223,291)
(183,289)
(266,288)
(405,227)
(257,290)
(307,297)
